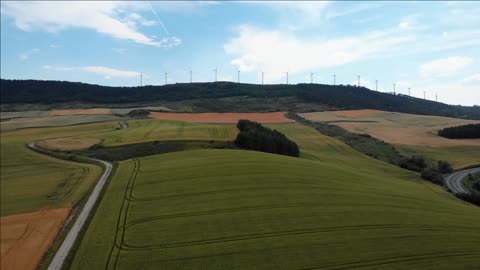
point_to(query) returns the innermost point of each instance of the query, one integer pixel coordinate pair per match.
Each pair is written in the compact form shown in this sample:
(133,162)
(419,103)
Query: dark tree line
(471,131)
(338,96)
(256,137)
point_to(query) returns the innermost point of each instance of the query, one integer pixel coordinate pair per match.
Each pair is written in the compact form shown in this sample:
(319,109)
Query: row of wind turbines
(334,76)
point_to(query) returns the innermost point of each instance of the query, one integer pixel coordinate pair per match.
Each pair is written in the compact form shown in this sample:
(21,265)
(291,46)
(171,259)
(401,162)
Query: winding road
(72,235)
(454,181)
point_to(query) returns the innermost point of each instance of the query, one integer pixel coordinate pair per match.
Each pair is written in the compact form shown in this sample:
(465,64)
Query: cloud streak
(445,67)
(103,17)
(106,72)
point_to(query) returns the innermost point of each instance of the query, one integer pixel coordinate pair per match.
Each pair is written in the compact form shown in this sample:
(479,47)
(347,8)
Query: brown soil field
(68,144)
(26,237)
(396,128)
(223,118)
(359,113)
(81,111)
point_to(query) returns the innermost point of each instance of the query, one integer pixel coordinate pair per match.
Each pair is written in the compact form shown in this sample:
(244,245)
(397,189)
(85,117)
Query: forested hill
(340,96)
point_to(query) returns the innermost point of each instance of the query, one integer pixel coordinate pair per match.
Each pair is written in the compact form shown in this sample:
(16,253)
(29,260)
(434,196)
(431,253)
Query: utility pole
(166,77)
(394,89)
(311,77)
(262,77)
(190,75)
(215,73)
(238,76)
(376,85)
(358,80)
(334,78)
(141,79)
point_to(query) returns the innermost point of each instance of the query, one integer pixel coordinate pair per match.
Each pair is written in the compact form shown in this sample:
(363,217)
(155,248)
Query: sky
(429,47)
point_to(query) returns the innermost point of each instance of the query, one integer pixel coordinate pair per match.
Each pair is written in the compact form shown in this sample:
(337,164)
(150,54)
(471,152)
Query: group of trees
(433,174)
(256,137)
(471,131)
(338,96)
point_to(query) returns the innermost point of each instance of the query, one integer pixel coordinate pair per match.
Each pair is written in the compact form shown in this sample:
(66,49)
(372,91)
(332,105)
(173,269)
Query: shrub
(414,163)
(473,198)
(444,167)
(471,131)
(433,176)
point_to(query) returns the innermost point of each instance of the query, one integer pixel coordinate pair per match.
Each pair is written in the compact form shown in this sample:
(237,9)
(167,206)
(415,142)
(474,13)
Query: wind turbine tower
(238,76)
(141,79)
(394,89)
(376,85)
(436,96)
(287,76)
(409,91)
(262,77)
(358,80)
(190,75)
(166,78)
(334,79)
(215,70)
(424,94)
(311,77)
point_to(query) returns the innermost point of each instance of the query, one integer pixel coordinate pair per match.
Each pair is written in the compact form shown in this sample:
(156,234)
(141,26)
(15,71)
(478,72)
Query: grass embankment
(232,209)
(458,156)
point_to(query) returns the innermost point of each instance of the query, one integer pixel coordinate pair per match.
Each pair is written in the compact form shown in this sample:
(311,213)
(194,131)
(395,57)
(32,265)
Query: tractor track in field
(289,233)
(122,218)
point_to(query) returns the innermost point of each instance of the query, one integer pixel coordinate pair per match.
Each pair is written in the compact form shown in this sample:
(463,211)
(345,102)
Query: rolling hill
(339,96)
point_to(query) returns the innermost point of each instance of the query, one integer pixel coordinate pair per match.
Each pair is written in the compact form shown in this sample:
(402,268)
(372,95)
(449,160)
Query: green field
(153,129)
(458,156)
(334,208)
(31,181)
(53,121)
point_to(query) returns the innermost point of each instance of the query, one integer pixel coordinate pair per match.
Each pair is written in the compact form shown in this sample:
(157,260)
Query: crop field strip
(126,246)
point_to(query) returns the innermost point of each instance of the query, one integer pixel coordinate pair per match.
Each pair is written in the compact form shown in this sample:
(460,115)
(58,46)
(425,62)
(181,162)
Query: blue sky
(425,46)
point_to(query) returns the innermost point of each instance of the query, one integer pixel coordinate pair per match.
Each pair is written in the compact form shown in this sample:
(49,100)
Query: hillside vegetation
(344,97)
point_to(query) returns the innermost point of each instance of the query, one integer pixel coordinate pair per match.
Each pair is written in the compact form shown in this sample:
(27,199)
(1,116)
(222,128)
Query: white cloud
(445,66)
(104,17)
(475,78)
(107,72)
(25,55)
(276,52)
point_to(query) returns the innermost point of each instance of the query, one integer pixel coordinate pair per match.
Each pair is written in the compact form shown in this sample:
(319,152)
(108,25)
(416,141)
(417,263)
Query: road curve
(454,181)
(67,244)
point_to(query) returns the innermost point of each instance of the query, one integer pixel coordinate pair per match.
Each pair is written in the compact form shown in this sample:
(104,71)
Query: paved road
(67,244)
(123,125)
(455,180)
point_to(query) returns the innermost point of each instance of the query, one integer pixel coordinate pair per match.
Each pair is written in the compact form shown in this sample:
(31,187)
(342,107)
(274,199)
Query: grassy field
(458,156)
(53,121)
(153,129)
(395,128)
(333,208)
(32,181)
(231,209)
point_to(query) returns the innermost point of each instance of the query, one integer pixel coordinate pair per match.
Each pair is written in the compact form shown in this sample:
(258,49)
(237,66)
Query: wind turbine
(141,79)
(262,77)
(358,80)
(190,75)
(166,78)
(394,89)
(311,77)
(238,76)
(376,85)
(287,76)
(436,96)
(215,70)
(424,94)
(334,78)
(408,91)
